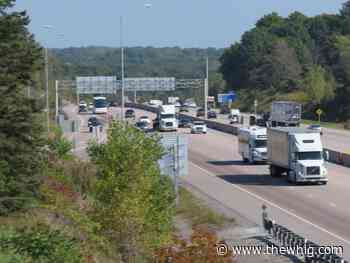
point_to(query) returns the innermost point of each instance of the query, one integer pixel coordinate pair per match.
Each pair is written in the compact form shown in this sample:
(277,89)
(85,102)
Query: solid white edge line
(277,206)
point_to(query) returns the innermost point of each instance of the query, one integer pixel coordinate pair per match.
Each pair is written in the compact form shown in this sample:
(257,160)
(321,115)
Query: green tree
(20,132)
(135,203)
(216,83)
(318,85)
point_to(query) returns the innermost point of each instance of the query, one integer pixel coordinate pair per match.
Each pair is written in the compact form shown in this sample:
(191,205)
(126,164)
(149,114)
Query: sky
(159,23)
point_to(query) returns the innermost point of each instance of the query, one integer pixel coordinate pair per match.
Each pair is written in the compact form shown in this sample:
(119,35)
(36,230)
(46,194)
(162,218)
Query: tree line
(300,58)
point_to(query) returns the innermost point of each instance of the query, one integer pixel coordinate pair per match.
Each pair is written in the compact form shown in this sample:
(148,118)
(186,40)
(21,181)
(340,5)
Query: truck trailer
(285,113)
(298,153)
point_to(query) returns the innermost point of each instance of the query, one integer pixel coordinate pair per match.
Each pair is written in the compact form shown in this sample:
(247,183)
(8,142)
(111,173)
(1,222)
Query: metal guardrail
(283,237)
(334,156)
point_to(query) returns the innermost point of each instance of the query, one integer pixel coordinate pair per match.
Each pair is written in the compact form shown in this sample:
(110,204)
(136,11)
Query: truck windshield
(167,116)
(260,143)
(309,155)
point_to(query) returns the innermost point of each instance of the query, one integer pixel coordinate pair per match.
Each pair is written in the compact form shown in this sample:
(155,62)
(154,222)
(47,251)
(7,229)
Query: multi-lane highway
(320,213)
(333,139)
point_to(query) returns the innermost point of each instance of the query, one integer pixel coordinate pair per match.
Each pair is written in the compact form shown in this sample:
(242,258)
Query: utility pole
(47,89)
(56,101)
(122,62)
(176,170)
(206,87)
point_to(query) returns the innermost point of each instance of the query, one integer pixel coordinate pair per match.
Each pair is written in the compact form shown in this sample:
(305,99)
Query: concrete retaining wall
(334,156)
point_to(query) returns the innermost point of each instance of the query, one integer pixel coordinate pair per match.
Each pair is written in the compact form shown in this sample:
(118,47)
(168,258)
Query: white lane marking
(309,195)
(332,204)
(278,207)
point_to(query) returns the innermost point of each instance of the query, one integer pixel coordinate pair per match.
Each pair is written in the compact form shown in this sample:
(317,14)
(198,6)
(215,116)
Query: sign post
(319,113)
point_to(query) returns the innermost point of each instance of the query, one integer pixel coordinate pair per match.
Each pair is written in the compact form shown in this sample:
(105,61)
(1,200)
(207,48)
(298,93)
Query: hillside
(296,57)
(139,61)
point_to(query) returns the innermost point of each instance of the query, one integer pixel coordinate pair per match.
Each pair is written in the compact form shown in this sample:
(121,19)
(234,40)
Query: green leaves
(134,202)
(306,58)
(317,86)
(40,245)
(21,144)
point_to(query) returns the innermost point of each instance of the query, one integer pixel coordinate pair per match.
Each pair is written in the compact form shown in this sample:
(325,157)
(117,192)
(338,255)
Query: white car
(177,104)
(145,119)
(82,103)
(199,127)
(316,127)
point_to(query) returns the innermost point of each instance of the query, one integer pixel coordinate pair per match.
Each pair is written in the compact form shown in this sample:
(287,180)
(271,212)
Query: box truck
(252,143)
(297,152)
(285,113)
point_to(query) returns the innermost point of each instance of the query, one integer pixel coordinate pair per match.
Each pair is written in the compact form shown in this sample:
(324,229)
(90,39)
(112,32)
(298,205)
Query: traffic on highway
(176,133)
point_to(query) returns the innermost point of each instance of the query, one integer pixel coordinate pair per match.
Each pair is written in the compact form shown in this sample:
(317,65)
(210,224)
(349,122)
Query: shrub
(59,145)
(40,245)
(201,248)
(135,203)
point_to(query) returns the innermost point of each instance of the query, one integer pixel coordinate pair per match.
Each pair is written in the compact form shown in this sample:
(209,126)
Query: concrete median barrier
(334,156)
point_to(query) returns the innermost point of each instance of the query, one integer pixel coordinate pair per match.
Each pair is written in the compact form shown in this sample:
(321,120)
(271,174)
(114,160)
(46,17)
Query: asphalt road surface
(333,139)
(319,213)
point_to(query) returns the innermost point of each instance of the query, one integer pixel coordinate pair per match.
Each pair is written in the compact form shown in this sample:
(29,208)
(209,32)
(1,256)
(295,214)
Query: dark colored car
(130,113)
(113,104)
(224,109)
(94,122)
(143,126)
(212,115)
(185,123)
(82,108)
(200,112)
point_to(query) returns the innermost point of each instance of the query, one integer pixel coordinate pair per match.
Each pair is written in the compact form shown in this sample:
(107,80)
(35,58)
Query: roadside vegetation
(203,215)
(300,58)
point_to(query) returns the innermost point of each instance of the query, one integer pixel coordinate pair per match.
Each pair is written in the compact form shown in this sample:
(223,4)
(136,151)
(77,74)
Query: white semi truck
(252,143)
(298,152)
(166,118)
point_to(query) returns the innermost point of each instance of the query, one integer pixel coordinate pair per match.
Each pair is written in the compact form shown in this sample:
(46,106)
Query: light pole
(122,62)
(48,27)
(47,89)
(56,100)
(206,87)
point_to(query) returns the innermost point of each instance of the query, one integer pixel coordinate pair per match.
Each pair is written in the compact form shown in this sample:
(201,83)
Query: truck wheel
(273,171)
(291,178)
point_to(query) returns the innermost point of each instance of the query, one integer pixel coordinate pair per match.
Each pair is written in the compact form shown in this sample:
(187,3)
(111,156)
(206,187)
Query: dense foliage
(134,202)
(38,245)
(20,131)
(139,61)
(202,247)
(298,57)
